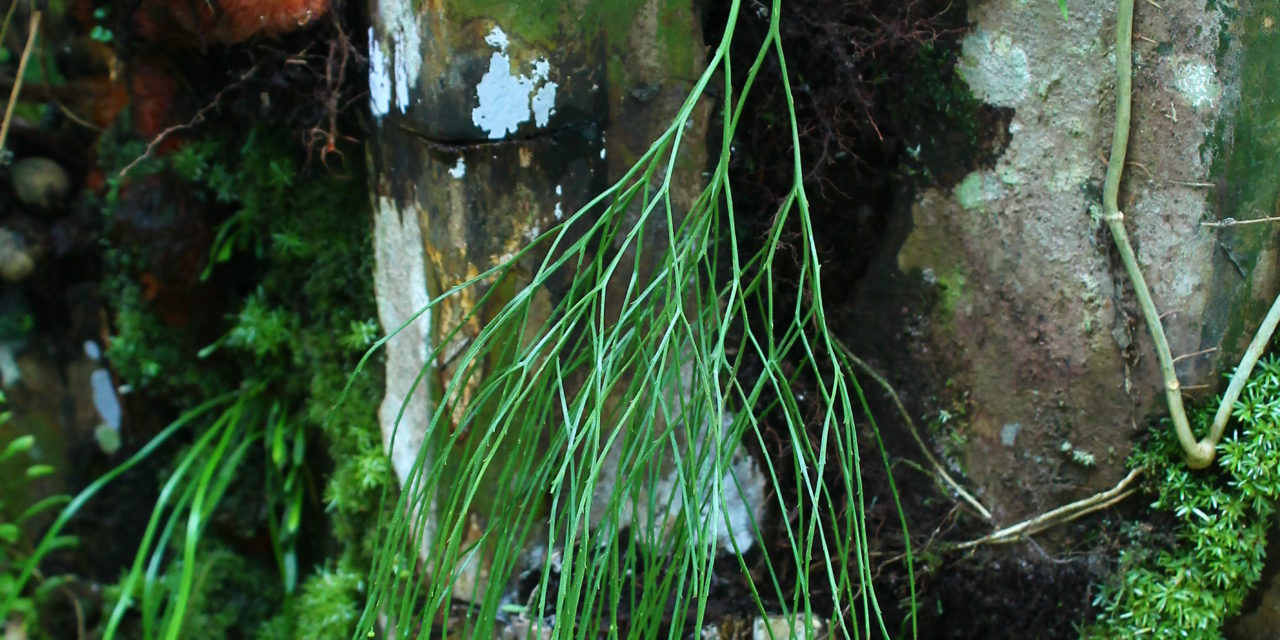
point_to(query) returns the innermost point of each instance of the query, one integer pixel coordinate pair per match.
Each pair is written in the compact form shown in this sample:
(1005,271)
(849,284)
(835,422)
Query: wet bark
(494,121)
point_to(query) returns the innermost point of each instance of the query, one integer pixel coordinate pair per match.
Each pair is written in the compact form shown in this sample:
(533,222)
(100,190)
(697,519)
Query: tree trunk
(1018,315)
(494,121)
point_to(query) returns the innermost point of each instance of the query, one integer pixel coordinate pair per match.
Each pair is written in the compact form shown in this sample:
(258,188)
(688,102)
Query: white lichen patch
(400,291)
(1009,433)
(402,39)
(497,39)
(996,69)
(1197,82)
(379,79)
(1067,178)
(400,284)
(505,100)
(978,188)
(543,102)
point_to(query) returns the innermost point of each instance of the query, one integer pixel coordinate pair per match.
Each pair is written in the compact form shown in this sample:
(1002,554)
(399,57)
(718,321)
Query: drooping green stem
(1259,344)
(1199,454)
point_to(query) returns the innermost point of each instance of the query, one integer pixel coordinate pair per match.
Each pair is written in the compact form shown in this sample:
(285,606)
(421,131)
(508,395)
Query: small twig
(915,434)
(77,609)
(1135,163)
(193,123)
(53,97)
(1063,514)
(32,33)
(1194,354)
(1231,222)
(1188,183)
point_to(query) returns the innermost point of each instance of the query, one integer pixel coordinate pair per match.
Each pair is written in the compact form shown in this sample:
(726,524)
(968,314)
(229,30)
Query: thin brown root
(1194,354)
(1061,515)
(196,120)
(1231,222)
(915,435)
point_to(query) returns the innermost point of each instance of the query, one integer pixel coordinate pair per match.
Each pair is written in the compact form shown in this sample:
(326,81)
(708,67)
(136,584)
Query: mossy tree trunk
(1006,290)
(494,121)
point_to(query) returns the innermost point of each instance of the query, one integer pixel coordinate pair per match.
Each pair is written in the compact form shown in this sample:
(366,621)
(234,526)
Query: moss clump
(291,244)
(325,607)
(19,516)
(1190,588)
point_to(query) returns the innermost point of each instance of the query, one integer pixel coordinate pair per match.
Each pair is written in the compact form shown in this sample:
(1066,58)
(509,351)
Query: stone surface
(40,183)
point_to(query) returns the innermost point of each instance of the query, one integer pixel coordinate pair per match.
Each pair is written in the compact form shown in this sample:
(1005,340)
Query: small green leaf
(277,444)
(19,445)
(293,514)
(299,449)
(1062,4)
(39,470)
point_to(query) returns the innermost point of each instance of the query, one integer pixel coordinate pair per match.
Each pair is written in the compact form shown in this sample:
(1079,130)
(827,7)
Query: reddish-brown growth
(232,21)
(244,18)
(152,99)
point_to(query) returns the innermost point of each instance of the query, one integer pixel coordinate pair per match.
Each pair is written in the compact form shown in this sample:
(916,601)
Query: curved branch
(1259,344)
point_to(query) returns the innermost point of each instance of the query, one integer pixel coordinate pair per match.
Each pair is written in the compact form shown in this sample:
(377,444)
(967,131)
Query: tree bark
(494,121)
(1018,316)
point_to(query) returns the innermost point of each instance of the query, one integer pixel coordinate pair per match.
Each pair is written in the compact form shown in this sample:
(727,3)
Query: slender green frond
(596,453)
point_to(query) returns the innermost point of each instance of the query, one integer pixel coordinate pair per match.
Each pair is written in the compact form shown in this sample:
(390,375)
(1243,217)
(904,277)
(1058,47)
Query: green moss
(550,26)
(233,594)
(950,292)
(326,607)
(948,142)
(1190,586)
(1246,159)
(154,357)
(293,247)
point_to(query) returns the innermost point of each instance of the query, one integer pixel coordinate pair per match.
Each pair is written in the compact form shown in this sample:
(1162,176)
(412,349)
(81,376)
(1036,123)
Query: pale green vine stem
(1199,454)
(1251,355)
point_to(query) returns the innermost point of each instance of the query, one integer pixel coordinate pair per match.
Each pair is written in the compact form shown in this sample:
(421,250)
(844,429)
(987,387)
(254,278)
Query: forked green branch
(1201,453)
(635,400)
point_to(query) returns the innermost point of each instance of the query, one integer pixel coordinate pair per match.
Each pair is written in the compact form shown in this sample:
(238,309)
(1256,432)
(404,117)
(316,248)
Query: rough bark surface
(1007,288)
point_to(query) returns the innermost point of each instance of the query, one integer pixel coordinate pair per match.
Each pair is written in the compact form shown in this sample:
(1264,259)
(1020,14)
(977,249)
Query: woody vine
(1198,453)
